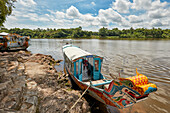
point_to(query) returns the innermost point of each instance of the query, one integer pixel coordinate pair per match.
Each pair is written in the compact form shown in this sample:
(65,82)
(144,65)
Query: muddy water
(151,58)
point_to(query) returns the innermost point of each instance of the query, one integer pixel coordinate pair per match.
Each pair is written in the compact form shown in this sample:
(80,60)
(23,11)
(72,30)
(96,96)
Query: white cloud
(166,21)
(122,6)
(72,12)
(36,17)
(93,3)
(141,4)
(156,23)
(125,23)
(26,3)
(103,22)
(157,4)
(12,18)
(56,14)
(77,21)
(159,13)
(110,15)
(43,19)
(134,19)
(60,14)
(148,4)
(88,17)
(32,2)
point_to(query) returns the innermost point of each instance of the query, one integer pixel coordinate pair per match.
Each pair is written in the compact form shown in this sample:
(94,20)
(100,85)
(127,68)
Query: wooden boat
(13,41)
(85,69)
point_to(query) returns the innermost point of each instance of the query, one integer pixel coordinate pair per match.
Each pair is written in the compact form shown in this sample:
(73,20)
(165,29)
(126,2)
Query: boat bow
(127,91)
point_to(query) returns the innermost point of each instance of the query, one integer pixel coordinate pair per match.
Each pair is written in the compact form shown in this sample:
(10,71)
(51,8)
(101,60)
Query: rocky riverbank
(29,83)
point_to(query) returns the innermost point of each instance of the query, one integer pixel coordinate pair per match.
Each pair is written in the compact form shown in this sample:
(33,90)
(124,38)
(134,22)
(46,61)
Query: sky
(90,14)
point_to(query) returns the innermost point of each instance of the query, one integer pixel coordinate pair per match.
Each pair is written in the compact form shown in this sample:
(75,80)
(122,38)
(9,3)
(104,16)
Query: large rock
(31,84)
(35,70)
(3,90)
(60,102)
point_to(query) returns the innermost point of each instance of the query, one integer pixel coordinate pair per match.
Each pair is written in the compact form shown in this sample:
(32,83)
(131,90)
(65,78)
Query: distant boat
(13,41)
(85,69)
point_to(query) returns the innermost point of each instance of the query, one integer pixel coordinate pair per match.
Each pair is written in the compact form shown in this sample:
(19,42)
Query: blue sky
(90,14)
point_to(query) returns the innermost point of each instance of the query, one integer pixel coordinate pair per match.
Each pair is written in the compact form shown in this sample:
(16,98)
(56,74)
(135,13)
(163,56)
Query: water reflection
(152,58)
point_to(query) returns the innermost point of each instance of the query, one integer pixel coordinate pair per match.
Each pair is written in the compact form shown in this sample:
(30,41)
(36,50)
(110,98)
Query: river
(151,58)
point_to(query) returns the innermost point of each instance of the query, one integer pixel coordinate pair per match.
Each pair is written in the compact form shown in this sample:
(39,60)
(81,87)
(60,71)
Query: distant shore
(110,38)
(102,33)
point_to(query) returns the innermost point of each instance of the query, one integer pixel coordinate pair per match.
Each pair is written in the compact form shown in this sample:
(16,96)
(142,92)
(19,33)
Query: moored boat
(13,41)
(85,69)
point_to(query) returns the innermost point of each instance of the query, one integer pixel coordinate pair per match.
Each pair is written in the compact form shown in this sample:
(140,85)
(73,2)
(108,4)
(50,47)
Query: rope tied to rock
(79,98)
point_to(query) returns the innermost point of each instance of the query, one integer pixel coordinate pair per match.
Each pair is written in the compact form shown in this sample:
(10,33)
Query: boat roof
(3,34)
(74,52)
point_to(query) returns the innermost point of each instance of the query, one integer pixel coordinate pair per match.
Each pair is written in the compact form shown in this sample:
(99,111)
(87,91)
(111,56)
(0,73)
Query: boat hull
(94,92)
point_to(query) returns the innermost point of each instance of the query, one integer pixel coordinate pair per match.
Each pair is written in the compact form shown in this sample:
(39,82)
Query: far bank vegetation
(103,33)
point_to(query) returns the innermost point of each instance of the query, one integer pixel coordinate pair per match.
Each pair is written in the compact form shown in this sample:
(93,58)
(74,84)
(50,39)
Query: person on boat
(85,73)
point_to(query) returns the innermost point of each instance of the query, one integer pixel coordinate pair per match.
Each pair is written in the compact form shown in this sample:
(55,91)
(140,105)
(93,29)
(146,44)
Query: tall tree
(103,32)
(6,7)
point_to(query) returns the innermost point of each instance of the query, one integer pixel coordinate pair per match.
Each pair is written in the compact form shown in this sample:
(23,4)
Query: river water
(151,58)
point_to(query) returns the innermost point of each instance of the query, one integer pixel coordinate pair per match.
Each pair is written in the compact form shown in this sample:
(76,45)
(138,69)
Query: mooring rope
(79,98)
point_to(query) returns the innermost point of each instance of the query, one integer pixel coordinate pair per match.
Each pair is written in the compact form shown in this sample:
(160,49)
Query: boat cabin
(82,64)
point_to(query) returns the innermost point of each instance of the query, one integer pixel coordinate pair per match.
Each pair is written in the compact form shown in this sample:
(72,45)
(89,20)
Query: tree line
(103,33)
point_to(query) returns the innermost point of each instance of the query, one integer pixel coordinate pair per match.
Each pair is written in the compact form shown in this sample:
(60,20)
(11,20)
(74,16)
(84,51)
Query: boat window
(1,40)
(96,65)
(77,65)
(66,60)
(80,67)
(64,55)
(68,63)
(72,69)
(91,61)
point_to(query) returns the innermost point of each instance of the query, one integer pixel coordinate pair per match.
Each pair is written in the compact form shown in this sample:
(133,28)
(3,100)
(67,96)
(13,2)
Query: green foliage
(104,33)
(5,9)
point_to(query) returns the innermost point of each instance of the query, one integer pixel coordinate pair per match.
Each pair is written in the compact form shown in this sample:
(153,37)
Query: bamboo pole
(79,98)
